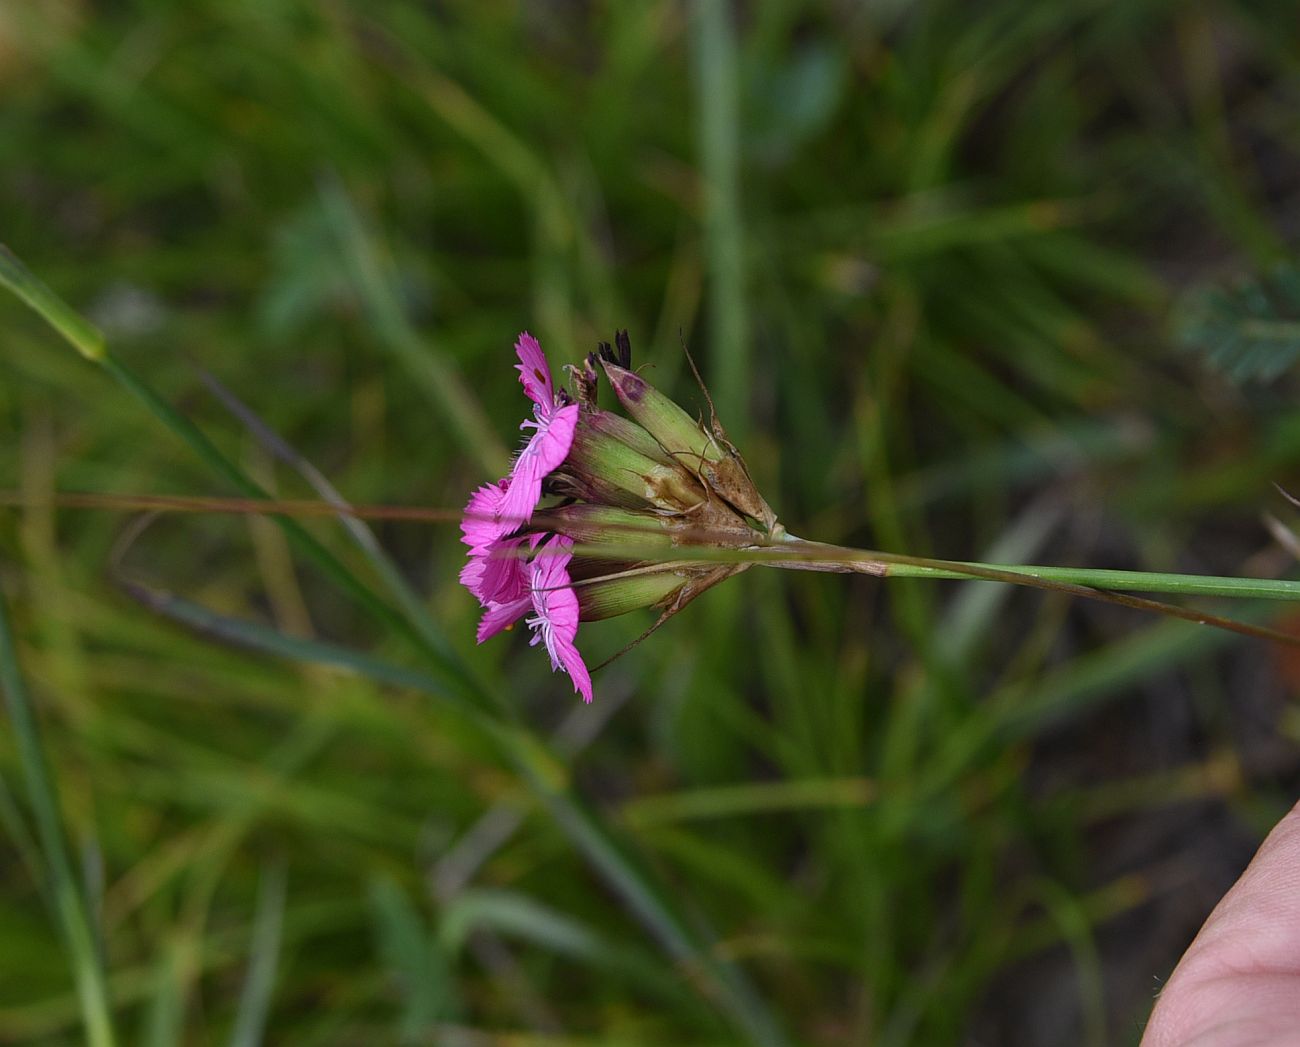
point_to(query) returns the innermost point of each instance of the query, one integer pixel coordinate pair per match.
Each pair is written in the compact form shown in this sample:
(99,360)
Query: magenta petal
(577,670)
(502,616)
(481,524)
(505,574)
(496,573)
(535,372)
(525,492)
(553,438)
(555,621)
(542,454)
(471,576)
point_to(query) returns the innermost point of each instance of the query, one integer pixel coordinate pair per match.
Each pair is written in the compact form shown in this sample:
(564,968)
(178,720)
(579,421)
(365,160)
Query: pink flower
(553,423)
(508,586)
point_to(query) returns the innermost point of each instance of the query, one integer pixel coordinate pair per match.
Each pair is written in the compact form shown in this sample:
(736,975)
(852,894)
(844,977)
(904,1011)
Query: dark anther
(624,344)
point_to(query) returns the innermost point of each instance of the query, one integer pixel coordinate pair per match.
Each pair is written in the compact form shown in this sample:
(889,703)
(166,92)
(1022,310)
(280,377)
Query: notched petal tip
(501,617)
(534,371)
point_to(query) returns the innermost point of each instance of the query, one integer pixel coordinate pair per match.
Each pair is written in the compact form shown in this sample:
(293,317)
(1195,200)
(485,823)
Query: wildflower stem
(1102,585)
(1124,581)
(818,556)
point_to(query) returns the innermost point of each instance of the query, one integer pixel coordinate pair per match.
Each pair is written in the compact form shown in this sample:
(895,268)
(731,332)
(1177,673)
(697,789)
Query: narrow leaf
(42,794)
(58,314)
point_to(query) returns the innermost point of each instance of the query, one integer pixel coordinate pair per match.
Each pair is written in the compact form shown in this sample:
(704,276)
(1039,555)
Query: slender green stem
(69,903)
(1121,581)
(819,556)
(825,557)
(79,332)
(796,554)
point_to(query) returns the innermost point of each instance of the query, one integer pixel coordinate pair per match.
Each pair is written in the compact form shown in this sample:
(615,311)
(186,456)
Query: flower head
(659,478)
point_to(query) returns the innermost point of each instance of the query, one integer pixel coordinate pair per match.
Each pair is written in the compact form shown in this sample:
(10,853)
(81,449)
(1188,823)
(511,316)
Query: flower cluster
(661,477)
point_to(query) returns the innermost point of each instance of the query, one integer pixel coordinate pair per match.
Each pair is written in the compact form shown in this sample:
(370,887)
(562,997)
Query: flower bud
(599,461)
(675,430)
(707,453)
(605,596)
(629,433)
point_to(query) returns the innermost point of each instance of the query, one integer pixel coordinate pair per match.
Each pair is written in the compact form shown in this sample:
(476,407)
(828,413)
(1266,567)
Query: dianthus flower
(661,478)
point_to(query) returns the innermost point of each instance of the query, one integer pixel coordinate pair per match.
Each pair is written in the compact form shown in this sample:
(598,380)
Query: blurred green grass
(926,253)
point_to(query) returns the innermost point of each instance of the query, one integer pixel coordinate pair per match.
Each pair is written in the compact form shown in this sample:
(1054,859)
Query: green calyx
(676,431)
(707,453)
(607,596)
(604,526)
(598,459)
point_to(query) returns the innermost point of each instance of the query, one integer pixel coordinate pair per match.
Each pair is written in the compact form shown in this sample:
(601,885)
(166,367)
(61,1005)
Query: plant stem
(817,556)
(1122,581)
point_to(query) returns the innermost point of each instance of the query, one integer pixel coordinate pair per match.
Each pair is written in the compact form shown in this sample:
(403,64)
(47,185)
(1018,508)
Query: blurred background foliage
(935,260)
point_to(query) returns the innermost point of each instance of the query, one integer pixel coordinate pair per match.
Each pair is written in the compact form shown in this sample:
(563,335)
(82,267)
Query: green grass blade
(164,1021)
(718,132)
(517,915)
(208,453)
(408,602)
(266,640)
(415,958)
(69,901)
(724,982)
(57,313)
(15,276)
(15,826)
(263,955)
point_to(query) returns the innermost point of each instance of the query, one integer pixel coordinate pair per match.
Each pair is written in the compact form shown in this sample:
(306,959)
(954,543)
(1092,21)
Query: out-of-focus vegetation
(927,255)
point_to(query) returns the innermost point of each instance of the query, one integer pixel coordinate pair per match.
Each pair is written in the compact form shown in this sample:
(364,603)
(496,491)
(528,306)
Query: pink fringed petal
(541,455)
(481,525)
(496,573)
(550,444)
(555,621)
(535,374)
(502,616)
(572,663)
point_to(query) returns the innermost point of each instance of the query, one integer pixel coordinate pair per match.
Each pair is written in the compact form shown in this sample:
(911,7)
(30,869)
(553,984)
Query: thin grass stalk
(718,132)
(263,954)
(69,902)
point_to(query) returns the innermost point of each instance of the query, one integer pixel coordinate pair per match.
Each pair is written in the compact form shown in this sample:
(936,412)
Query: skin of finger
(1238,984)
